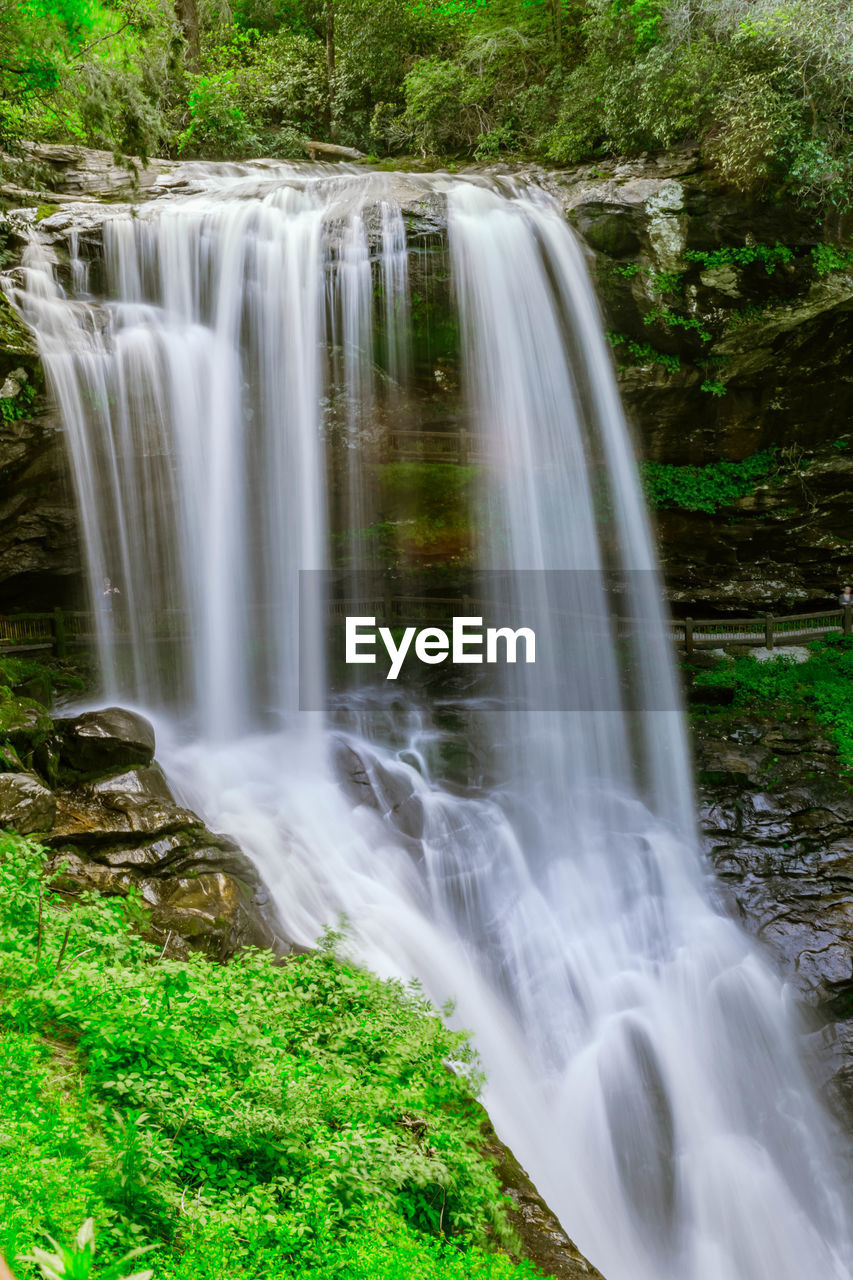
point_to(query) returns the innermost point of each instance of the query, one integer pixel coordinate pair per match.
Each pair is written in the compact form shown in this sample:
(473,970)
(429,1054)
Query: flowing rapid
(226,383)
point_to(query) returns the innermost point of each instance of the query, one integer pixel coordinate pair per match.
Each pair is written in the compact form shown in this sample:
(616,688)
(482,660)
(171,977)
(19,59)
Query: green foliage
(428,511)
(13,408)
(643,17)
(819,687)
(828,257)
(257,95)
(763,85)
(769,256)
(643,353)
(745,315)
(88,71)
(78,1261)
(662,282)
(676,320)
(248,1119)
(707,488)
(713,387)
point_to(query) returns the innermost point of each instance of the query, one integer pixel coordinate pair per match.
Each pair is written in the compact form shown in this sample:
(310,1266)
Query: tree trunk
(554,8)
(330,64)
(187,14)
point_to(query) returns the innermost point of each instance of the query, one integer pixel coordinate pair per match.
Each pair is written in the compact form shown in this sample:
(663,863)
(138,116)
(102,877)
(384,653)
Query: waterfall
(222,398)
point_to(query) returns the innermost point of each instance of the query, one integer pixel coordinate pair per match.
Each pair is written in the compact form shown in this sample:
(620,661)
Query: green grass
(252,1119)
(819,688)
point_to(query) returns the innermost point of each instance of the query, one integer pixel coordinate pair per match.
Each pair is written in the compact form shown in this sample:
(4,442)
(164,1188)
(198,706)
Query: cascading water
(642,1058)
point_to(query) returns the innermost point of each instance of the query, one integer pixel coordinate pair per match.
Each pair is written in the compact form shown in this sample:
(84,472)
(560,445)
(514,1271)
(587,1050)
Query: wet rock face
(543,1240)
(777,349)
(104,810)
(26,804)
(777,825)
(103,740)
(39,549)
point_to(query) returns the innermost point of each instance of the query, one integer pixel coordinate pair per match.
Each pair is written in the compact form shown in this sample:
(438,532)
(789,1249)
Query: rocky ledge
(89,790)
(777,821)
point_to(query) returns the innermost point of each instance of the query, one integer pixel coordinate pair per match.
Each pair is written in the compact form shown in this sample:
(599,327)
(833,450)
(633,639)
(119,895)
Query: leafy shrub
(642,353)
(769,256)
(829,257)
(218,124)
(258,95)
(245,1118)
(819,687)
(707,488)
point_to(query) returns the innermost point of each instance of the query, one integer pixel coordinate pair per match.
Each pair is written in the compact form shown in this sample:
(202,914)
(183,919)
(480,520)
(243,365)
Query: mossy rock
(15,337)
(24,724)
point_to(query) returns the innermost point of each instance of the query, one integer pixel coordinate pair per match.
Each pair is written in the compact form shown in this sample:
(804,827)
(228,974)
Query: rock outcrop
(725,346)
(543,1240)
(39,547)
(88,789)
(777,821)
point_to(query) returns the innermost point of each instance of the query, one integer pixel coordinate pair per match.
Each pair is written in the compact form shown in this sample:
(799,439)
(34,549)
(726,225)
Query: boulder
(25,724)
(88,821)
(26,804)
(148,783)
(199,891)
(100,742)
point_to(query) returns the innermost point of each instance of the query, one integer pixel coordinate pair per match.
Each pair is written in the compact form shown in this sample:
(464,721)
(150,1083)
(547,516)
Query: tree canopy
(763,86)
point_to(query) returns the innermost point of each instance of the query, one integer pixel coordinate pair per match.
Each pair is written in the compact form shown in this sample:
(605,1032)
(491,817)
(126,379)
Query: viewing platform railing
(765,632)
(462,447)
(62,629)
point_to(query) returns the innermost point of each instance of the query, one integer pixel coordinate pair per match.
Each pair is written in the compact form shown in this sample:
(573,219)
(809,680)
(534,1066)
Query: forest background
(765,87)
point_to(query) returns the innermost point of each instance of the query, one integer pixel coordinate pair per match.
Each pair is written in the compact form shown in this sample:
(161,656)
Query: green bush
(828,257)
(819,687)
(763,86)
(257,95)
(707,488)
(247,1119)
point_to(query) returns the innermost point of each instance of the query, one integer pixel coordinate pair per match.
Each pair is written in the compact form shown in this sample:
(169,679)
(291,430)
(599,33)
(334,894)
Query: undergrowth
(252,1119)
(818,687)
(707,488)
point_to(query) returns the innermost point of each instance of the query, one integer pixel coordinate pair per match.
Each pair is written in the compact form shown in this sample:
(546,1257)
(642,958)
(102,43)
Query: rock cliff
(732,326)
(777,824)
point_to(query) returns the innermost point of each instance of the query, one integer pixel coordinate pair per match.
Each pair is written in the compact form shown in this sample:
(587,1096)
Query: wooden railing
(62,629)
(766,632)
(462,447)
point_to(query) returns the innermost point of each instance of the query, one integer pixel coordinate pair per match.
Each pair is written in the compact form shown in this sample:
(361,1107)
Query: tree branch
(111,35)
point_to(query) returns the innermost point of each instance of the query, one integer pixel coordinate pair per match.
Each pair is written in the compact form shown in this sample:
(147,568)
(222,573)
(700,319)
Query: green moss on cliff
(708,488)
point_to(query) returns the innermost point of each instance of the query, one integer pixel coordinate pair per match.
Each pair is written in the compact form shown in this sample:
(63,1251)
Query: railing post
(768,631)
(688,636)
(463,447)
(60,640)
(847,625)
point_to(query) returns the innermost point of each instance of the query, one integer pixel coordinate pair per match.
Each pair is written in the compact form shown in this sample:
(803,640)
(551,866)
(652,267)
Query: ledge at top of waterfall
(236,370)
